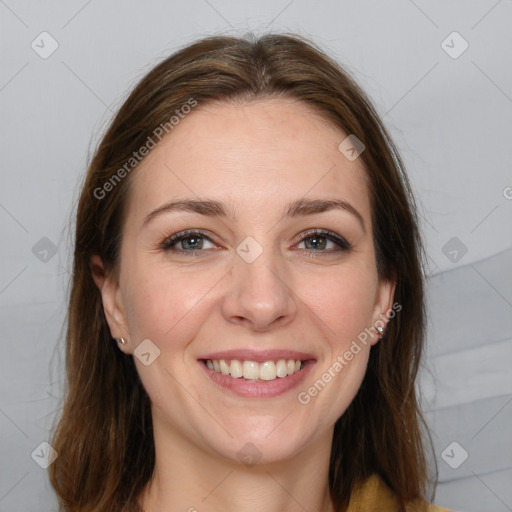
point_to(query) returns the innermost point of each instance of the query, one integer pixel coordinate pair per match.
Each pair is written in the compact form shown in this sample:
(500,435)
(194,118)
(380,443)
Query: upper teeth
(268,370)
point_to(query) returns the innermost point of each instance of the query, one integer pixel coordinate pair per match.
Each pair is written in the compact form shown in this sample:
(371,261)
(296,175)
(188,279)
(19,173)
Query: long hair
(104,437)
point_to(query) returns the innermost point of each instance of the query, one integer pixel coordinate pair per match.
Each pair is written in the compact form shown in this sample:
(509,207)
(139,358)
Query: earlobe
(112,302)
(383,310)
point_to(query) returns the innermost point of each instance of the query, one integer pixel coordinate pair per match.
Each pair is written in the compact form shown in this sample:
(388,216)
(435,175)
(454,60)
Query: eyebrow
(298,208)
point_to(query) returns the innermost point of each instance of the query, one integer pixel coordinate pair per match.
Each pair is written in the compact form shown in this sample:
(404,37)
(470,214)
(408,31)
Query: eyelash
(342,243)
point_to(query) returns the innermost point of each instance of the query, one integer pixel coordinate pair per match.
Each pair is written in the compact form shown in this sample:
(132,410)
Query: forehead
(256,156)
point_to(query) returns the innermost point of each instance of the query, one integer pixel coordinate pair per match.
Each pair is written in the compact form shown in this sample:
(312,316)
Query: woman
(246,315)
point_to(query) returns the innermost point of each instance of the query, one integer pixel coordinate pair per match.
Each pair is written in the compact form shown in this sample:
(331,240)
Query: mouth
(252,370)
(253,374)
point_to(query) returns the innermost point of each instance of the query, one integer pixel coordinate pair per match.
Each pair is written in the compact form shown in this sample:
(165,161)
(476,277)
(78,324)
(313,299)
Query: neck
(187,478)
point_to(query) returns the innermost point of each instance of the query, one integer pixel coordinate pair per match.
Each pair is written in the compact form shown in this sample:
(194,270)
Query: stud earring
(380,330)
(121,341)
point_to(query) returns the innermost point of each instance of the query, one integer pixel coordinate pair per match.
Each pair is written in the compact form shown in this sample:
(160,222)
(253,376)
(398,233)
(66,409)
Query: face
(247,247)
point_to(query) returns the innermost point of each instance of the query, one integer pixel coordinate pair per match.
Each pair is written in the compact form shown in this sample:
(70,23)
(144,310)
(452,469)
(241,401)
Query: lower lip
(258,389)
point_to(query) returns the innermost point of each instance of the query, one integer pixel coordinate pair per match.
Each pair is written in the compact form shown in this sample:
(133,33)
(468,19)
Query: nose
(259,295)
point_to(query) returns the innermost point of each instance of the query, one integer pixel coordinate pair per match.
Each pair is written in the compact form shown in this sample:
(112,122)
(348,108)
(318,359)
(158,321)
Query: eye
(321,240)
(192,242)
(188,242)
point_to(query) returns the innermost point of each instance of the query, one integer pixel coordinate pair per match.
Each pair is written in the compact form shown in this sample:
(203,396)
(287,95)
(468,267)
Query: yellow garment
(375,496)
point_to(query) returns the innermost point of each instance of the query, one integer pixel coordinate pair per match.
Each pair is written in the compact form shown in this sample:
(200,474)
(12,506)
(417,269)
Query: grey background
(450,117)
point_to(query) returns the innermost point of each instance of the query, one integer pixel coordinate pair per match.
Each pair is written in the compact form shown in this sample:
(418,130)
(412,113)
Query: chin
(265,444)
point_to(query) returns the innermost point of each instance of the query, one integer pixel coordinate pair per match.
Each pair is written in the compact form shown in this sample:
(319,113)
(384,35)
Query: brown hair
(104,438)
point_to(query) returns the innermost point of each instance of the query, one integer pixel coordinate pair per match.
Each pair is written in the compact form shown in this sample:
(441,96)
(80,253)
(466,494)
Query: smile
(252,370)
(257,374)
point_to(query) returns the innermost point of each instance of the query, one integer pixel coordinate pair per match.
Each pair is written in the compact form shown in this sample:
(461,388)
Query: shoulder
(374,495)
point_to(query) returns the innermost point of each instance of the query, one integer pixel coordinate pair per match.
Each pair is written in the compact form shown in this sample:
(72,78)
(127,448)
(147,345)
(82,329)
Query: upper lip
(258,356)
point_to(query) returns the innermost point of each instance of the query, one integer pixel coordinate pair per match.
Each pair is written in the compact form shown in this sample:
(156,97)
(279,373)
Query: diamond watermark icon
(146,352)
(351,147)
(44,250)
(249,455)
(454,455)
(249,249)
(44,45)
(454,249)
(44,455)
(454,45)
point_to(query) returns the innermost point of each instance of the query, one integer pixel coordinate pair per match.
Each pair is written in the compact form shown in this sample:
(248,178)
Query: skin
(256,158)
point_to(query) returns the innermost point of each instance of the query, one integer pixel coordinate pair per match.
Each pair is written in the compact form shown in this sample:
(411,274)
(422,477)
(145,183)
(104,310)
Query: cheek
(159,299)
(165,306)
(343,300)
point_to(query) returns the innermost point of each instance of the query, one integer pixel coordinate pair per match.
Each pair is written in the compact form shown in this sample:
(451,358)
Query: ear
(112,302)
(383,307)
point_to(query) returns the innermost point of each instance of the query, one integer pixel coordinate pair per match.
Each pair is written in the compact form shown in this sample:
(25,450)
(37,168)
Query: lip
(258,389)
(258,356)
